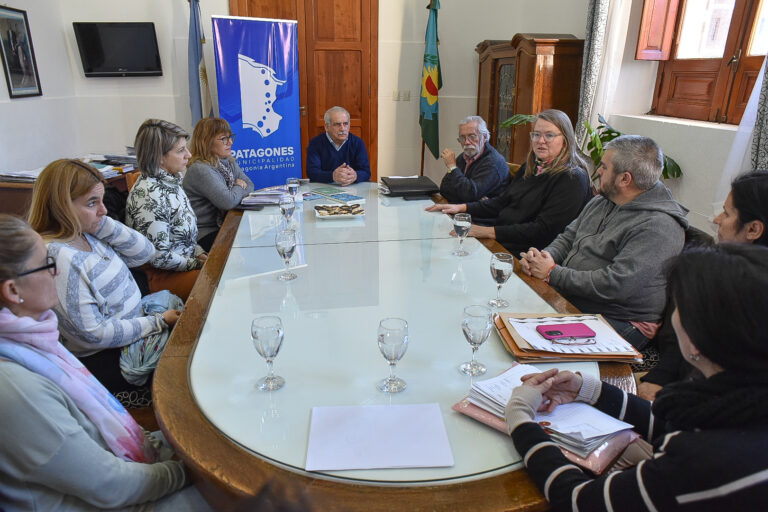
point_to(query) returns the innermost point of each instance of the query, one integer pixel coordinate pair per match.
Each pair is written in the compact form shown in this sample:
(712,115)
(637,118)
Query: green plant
(596,140)
(598,137)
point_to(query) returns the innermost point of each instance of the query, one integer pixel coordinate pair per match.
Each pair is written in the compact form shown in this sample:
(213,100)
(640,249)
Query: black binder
(407,187)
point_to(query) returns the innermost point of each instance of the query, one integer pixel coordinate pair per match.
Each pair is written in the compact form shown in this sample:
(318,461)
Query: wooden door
(338,61)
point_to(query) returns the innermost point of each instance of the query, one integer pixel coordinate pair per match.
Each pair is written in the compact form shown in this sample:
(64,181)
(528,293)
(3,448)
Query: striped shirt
(99,302)
(701,470)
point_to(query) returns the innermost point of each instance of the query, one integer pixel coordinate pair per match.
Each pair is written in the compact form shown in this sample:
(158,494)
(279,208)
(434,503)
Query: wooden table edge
(232,478)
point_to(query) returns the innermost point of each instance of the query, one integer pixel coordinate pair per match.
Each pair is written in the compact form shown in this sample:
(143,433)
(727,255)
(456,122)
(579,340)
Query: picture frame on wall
(18,54)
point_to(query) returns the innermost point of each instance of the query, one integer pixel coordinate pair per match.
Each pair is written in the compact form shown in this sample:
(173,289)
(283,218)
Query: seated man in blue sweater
(337,155)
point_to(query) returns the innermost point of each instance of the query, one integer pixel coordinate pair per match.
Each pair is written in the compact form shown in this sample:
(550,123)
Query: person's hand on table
(171,316)
(648,390)
(448,209)
(537,263)
(449,157)
(556,387)
(344,175)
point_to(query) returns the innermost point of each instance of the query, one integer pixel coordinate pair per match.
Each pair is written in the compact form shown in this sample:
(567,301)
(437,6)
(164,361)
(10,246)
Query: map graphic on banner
(258,89)
(258,84)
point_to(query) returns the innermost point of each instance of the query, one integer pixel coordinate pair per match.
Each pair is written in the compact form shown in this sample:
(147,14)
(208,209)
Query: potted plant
(596,140)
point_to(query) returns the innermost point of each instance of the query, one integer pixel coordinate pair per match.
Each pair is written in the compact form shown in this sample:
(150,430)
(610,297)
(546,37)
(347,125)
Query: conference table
(245,447)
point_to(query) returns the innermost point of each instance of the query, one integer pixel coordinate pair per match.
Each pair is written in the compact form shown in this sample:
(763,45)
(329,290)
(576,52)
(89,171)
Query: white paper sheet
(606,339)
(377,436)
(583,419)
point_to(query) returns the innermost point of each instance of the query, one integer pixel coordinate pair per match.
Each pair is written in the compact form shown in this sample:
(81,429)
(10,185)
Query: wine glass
(461,224)
(393,341)
(267,335)
(293,186)
(476,326)
(502,264)
(287,205)
(285,243)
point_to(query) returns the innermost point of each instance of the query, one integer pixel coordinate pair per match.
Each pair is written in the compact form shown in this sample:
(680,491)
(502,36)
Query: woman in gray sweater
(214,182)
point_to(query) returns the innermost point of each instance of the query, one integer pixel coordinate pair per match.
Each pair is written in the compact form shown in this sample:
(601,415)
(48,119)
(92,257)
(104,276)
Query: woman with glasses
(67,443)
(544,196)
(214,183)
(709,437)
(100,309)
(159,209)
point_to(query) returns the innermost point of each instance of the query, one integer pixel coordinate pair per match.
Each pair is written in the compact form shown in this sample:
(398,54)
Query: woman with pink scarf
(67,443)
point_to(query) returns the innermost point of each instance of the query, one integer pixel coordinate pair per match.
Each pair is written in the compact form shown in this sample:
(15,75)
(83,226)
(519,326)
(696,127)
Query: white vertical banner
(258,87)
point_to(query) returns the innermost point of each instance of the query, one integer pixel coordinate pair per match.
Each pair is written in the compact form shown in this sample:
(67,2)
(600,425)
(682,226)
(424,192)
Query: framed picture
(18,54)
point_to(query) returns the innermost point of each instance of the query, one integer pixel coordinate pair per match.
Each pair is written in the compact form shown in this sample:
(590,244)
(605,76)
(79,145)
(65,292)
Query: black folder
(407,187)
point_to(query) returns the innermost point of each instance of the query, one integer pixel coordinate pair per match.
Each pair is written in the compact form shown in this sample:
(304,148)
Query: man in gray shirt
(610,259)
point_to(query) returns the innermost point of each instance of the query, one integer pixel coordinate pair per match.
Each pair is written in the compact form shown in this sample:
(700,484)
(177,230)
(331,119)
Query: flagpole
(421,171)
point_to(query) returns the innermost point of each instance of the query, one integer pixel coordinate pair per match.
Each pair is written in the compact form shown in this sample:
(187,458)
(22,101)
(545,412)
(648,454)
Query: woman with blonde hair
(214,183)
(69,445)
(159,209)
(100,309)
(545,195)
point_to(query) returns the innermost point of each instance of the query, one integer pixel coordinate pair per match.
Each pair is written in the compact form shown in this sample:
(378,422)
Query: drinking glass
(476,326)
(502,264)
(267,335)
(287,205)
(461,224)
(293,186)
(285,243)
(393,341)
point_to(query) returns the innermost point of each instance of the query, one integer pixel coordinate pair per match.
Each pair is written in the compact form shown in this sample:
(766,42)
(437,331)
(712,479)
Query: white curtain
(750,145)
(606,35)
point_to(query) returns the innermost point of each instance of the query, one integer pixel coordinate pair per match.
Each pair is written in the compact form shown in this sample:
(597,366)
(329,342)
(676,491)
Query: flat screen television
(118,48)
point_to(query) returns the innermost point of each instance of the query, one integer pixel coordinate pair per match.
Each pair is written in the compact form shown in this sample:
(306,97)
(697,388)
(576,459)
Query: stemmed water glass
(502,264)
(267,335)
(461,224)
(293,186)
(393,341)
(476,326)
(287,206)
(285,243)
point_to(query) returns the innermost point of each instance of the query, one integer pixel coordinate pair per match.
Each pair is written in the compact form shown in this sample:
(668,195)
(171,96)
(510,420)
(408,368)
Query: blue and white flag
(257,71)
(199,93)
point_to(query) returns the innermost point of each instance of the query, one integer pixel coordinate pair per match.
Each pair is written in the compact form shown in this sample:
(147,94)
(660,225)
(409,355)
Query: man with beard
(610,259)
(337,156)
(479,172)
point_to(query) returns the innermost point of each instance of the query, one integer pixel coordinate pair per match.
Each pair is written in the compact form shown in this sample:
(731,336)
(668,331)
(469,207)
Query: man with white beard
(479,172)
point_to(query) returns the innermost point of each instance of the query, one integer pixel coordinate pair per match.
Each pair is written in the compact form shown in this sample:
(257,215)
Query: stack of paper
(264,197)
(520,337)
(20,176)
(577,427)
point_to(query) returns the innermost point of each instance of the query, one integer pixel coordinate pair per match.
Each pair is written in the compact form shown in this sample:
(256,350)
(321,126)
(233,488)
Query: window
(710,53)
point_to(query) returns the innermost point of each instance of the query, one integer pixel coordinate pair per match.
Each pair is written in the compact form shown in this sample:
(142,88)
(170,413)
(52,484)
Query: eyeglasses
(230,138)
(472,137)
(574,341)
(548,137)
(50,266)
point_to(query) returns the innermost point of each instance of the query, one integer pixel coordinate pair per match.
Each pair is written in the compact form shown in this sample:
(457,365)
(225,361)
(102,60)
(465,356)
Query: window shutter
(657,28)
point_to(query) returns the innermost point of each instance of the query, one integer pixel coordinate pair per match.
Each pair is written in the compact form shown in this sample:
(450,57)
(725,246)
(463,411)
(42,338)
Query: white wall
(461,25)
(77,115)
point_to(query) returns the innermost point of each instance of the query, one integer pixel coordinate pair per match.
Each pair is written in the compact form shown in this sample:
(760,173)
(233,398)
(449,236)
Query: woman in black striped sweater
(709,437)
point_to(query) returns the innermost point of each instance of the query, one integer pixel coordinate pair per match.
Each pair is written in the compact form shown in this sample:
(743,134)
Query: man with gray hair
(337,156)
(610,259)
(479,172)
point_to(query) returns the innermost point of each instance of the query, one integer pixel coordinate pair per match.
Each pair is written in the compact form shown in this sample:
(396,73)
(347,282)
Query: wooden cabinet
(533,72)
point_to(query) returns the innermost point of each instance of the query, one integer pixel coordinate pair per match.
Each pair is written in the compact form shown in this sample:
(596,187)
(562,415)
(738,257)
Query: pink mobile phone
(560,331)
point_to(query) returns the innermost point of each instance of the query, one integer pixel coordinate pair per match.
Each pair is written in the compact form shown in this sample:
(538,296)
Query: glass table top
(386,218)
(330,355)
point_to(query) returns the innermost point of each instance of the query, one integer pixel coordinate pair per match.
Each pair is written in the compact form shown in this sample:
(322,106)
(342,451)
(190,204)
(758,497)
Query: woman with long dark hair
(709,436)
